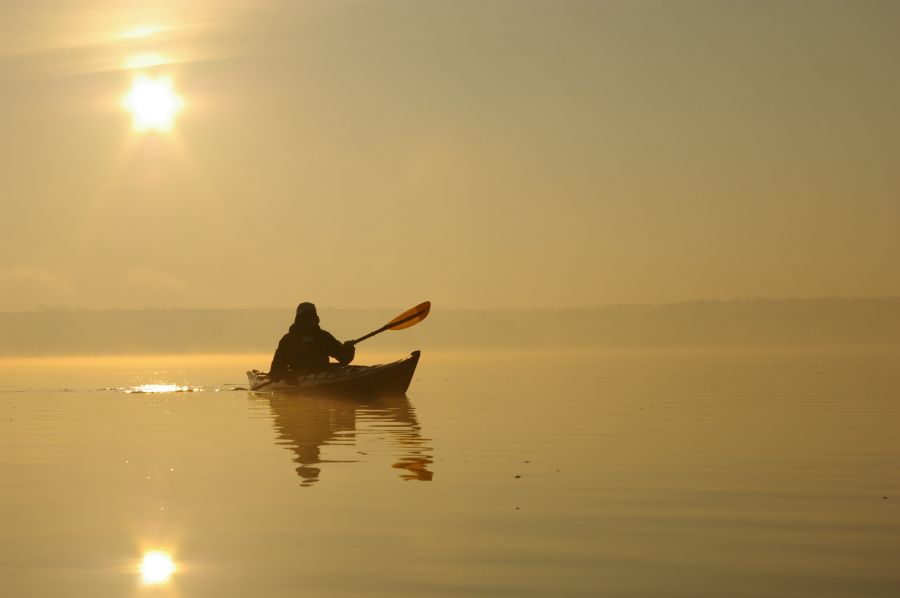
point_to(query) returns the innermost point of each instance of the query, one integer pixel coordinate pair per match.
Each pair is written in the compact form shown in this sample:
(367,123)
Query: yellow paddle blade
(410,317)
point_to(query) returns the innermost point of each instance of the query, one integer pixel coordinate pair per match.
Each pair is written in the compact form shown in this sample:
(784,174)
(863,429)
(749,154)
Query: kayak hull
(359,380)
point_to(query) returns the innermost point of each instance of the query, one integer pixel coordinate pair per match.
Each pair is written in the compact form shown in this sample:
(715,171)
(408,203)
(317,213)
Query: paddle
(410,317)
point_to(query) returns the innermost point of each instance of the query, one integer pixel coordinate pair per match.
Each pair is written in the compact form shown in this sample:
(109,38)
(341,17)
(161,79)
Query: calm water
(717,473)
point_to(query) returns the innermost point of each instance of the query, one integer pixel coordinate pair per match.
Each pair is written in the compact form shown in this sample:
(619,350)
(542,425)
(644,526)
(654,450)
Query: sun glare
(158,388)
(153,103)
(142,31)
(157,567)
(146,60)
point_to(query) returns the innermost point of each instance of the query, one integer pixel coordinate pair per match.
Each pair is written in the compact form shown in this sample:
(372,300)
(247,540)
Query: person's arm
(279,369)
(343,352)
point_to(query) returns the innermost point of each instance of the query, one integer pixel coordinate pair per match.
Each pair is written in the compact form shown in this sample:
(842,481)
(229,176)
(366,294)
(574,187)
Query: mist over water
(638,473)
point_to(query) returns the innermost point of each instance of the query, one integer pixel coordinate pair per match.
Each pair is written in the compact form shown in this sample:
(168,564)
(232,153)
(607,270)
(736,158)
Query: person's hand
(349,350)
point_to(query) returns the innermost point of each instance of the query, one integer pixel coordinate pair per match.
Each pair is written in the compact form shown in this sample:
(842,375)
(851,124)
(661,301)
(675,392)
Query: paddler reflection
(307,424)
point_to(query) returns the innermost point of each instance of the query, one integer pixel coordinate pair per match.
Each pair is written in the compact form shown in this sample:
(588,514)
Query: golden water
(701,473)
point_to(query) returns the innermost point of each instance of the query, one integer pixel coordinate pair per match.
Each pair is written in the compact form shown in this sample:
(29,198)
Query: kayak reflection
(307,423)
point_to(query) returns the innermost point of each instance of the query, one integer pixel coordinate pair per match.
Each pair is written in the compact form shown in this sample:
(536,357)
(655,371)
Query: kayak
(386,379)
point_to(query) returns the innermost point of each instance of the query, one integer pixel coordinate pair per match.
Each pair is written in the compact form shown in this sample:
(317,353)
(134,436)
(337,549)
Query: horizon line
(75,308)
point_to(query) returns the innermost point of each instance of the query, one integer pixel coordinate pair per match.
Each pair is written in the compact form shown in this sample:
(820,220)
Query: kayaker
(306,347)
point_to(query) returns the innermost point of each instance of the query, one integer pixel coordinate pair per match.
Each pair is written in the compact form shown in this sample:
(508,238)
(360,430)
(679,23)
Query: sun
(157,567)
(153,103)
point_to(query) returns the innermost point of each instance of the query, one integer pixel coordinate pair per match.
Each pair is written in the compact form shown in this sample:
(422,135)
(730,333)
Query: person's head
(306,314)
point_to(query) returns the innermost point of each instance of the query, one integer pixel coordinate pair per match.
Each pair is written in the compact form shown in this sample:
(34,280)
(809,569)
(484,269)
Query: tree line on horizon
(760,322)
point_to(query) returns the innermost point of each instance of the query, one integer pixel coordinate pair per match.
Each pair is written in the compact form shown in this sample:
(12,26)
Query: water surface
(635,473)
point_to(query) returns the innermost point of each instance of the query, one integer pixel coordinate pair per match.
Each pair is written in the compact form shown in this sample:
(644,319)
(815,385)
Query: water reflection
(159,388)
(306,424)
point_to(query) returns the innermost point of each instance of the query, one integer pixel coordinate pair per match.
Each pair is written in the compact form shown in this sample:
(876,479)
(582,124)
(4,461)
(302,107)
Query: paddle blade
(410,317)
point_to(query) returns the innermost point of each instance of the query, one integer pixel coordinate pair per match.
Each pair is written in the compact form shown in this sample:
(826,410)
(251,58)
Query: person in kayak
(306,347)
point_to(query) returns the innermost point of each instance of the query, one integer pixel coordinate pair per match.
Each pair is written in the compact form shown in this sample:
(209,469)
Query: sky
(477,154)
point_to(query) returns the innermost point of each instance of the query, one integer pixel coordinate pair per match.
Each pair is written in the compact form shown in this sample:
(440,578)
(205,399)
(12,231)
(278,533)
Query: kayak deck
(389,378)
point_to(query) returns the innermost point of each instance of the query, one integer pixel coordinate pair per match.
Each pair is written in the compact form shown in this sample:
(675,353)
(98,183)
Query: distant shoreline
(737,323)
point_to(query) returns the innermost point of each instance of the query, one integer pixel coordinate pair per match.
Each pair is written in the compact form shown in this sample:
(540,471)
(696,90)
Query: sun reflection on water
(157,567)
(160,388)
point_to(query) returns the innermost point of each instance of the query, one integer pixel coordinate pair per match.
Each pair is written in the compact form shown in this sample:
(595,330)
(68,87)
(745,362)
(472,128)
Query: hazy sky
(478,154)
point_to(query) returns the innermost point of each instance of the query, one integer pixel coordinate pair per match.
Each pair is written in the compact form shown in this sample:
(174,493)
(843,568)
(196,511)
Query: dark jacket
(307,349)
